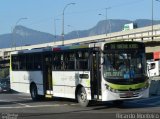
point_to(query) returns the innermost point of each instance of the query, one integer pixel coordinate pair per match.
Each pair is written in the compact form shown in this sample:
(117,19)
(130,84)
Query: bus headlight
(146,86)
(111,89)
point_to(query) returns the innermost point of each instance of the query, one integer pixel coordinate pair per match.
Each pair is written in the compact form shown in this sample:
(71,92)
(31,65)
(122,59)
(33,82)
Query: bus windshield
(124,65)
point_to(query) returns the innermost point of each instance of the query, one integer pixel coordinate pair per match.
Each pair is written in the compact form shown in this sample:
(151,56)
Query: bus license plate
(129,94)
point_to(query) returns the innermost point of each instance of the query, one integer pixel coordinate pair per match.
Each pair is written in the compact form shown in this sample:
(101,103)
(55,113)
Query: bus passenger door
(47,75)
(95,75)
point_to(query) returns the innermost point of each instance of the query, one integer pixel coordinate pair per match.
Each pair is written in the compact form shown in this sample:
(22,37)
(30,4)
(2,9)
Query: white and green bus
(105,71)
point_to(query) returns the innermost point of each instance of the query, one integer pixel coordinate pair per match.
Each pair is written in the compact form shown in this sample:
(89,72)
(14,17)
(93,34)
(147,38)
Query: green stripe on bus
(127,87)
(54,82)
(88,83)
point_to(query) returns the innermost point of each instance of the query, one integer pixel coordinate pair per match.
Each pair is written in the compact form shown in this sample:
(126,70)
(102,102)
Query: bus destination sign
(121,46)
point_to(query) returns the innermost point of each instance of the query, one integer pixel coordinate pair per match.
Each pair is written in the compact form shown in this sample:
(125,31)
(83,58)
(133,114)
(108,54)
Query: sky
(46,15)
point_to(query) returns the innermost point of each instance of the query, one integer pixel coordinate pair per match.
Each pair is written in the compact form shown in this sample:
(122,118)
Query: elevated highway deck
(146,34)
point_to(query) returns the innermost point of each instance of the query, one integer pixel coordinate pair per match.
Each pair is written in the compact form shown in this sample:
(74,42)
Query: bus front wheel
(82,97)
(34,93)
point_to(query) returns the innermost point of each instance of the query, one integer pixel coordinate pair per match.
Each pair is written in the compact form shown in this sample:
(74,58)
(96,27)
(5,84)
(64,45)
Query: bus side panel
(23,80)
(65,83)
(20,83)
(58,83)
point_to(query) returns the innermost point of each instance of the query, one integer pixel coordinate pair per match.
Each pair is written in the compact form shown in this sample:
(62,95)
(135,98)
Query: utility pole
(63,21)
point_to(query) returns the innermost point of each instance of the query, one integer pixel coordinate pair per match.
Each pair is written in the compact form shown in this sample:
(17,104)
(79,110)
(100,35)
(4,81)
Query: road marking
(5,101)
(24,98)
(14,102)
(74,104)
(22,104)
(34,106)
(29,106)
(65,104)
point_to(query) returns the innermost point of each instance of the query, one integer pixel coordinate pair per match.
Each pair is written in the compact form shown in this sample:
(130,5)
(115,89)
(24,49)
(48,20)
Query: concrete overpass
(145,34)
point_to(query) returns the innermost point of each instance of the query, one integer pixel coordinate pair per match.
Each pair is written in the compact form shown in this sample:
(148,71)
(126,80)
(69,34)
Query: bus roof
(32,50)
(67,47)
(70,47)
(57,48)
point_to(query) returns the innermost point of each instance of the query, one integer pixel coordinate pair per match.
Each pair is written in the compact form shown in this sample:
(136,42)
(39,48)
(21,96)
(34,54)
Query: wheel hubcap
(83,96)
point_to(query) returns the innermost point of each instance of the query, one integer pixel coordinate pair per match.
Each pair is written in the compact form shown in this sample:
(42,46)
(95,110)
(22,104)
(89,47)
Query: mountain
(26,36)
(109,26)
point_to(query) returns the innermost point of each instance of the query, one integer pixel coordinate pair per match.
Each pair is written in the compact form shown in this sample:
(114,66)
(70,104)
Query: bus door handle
(83,76)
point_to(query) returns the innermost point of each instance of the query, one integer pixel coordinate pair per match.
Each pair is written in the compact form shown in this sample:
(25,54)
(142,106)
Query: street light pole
(20,19)
(106,23)
(63,21)
(152,20)
(55,29)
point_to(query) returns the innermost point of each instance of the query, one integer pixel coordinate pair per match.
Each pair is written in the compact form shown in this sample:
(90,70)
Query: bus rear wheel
(82,97)
(34,93)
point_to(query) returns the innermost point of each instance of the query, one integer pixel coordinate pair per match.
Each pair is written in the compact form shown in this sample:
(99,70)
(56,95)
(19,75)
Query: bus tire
(82,97)
(34,92)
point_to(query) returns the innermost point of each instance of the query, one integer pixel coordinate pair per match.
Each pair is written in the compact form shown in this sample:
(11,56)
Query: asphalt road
(20,106)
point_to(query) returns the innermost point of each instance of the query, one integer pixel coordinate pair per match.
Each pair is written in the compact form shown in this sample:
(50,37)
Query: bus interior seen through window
(71,60)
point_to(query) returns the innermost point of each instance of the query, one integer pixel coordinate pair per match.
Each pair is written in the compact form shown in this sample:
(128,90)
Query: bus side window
(22,62)
(15,63)
(82,60)
(62,62)
(56,62)
(29,64)
(65,61)
(37,61)
(70,61)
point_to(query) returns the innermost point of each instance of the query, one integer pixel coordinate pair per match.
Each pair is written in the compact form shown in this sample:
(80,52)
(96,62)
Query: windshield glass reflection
(124,65)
